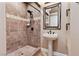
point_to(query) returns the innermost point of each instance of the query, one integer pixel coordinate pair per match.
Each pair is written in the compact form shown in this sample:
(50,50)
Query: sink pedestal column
(50,48)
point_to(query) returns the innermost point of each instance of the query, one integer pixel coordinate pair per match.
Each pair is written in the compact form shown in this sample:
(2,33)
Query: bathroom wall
(33,34)
(74,30)
(17,33)
(15,27)
(17,9)
(2,29)
(60,45)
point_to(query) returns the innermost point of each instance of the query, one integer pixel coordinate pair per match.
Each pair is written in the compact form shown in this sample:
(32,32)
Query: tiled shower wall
(19,35)
(33,34)
(16,34)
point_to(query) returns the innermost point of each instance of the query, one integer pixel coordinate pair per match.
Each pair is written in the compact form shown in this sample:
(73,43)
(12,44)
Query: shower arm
(31,14)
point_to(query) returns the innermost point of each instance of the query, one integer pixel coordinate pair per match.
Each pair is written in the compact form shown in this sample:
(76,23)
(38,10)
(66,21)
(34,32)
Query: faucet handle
(48,32)
(53,32)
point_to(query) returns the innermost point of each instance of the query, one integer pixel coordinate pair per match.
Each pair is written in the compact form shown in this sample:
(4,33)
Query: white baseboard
(55,52)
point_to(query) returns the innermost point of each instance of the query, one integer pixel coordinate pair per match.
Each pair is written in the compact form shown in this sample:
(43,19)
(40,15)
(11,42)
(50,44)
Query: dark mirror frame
(59,17)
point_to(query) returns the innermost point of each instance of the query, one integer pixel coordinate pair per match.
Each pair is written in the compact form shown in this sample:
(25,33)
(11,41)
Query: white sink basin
(50,36)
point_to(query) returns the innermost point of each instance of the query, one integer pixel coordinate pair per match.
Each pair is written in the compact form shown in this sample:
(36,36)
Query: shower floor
(25,51)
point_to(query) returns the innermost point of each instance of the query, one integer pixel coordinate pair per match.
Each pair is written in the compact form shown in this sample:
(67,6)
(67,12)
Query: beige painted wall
(74,30)
(60,45)
(2,29)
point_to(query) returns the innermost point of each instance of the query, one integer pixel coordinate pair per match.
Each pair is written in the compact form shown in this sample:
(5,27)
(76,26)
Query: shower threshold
(25,51)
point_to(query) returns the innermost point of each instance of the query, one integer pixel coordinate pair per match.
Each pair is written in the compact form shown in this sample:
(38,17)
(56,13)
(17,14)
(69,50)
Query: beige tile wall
(17,33)
(34,36)
(16,8)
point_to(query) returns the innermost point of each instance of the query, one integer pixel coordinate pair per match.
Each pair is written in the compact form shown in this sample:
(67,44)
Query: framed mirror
(52,17)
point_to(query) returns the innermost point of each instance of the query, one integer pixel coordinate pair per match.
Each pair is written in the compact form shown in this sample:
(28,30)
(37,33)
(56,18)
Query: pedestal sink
(50,38)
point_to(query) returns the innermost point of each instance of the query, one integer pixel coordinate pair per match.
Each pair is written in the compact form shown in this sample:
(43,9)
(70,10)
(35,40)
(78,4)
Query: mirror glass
(52,17)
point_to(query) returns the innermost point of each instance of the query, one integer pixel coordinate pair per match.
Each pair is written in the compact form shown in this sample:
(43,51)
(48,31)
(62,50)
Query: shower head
(30,12)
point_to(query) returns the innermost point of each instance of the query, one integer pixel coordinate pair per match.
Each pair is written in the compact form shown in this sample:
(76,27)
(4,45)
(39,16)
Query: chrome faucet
(50,32)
